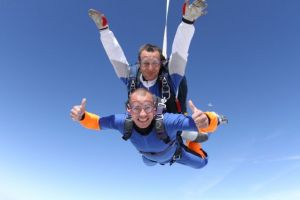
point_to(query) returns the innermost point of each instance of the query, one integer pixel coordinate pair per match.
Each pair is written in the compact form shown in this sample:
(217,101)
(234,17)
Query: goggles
(137,108)
(146,62)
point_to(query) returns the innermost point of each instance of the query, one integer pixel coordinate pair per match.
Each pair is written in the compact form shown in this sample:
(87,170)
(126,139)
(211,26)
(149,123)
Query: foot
(99,19)
(194,136)
(192,11)
(202,137)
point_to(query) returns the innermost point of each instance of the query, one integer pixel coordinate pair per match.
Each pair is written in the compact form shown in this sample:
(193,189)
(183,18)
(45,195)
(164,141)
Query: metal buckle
(165,89)
(176,157)
(132,86)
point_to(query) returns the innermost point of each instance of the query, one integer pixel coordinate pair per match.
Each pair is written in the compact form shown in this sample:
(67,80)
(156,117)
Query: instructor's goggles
(150,61)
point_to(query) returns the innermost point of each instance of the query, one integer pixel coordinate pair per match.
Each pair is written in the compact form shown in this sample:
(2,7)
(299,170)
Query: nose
(151,67)
(143,113)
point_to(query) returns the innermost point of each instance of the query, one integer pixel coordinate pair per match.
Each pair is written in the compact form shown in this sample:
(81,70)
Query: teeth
(143,120)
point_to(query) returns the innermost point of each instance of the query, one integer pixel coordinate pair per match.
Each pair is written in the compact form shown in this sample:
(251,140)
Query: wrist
(187,21)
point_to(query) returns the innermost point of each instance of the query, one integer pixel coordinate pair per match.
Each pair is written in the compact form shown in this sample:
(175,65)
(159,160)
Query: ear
(128,107)
(155,110)
(126,104)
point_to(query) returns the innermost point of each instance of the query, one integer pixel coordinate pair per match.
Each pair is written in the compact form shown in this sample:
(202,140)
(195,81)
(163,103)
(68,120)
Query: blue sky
(244,60)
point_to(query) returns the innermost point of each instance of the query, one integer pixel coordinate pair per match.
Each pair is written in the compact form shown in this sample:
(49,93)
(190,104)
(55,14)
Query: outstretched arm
(111,45)
(94,122)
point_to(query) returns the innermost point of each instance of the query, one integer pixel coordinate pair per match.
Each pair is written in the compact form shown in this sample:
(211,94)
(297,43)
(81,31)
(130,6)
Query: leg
(192,159)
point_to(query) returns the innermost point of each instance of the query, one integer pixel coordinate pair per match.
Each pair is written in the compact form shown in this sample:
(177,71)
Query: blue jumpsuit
(153,149)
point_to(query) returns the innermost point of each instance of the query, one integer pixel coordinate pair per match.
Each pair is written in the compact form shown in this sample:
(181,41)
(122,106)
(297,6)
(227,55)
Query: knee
(148,162)
(200,164)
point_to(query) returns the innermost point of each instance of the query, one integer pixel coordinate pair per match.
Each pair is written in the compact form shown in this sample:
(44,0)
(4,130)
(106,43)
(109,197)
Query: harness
(176,103)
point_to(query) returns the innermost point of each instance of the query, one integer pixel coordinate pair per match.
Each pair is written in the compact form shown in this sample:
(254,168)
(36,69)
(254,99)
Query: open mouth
(143,120)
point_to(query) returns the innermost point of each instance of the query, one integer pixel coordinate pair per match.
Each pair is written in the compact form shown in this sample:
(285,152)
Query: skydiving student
(155,137)
(152,73)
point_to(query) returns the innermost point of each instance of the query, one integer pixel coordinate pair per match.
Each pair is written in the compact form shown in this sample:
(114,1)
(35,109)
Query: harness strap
(159,121)
(161,152)
(128,125)
(165,88)
(132,79)
(160,129)
(178,152)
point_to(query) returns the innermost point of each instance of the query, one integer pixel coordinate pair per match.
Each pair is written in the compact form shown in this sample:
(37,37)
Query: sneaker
(195,136)
(192,11)
(99,19)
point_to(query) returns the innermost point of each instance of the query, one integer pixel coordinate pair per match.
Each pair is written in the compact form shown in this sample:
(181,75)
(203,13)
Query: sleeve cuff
(213,125)
(90,121)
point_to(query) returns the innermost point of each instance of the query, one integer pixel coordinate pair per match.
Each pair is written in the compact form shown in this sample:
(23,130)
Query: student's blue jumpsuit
(153,149)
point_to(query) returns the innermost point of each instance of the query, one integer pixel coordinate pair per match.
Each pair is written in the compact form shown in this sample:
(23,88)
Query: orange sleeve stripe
(213,123)
(90,121)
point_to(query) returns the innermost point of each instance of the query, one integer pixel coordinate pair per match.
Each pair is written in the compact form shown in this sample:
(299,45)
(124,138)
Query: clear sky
(244,60)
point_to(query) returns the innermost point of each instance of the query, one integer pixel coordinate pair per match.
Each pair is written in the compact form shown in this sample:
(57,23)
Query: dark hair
(151,48)
(142,92)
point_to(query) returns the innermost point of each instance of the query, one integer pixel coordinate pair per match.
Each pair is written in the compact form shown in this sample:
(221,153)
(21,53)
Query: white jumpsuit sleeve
(115,53)
(179,55)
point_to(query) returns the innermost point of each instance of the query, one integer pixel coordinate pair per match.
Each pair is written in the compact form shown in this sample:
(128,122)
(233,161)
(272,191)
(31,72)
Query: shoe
(99,19)
(192,11)
(195,136)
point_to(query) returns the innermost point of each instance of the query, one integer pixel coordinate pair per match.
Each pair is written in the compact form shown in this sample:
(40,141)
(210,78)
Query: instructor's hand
(78,110)
(200,118)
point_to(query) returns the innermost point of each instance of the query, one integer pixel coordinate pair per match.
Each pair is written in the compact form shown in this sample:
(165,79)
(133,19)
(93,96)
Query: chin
(150,78)
(143,125)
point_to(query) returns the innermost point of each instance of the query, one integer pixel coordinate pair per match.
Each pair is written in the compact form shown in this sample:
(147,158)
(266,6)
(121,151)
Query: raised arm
(111,45)
(183,38)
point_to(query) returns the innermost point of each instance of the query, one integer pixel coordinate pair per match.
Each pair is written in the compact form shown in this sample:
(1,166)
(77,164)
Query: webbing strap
(165,88)
(164,50)
(128,125)
(133,70)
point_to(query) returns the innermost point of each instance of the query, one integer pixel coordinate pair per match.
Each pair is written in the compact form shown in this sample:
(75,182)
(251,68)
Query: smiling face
(150,64)
(141,108)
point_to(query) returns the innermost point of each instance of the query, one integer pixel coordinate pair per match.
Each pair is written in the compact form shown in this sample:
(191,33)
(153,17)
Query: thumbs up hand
(78,110)
(200,118)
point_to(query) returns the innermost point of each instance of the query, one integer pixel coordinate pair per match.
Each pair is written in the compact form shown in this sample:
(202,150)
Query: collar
(144,131)
(146,83)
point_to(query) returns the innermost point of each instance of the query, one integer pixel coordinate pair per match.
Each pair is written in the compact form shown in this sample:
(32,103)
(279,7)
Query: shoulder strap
(176,99)
(165,87)
(132,79)
(159,121)
(160,130)
(128,125)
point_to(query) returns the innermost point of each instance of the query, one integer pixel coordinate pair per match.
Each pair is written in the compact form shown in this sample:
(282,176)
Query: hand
(78,110)
(99,19)
(192,11)
(200,118)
